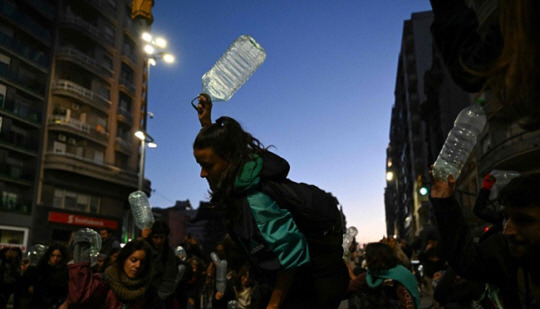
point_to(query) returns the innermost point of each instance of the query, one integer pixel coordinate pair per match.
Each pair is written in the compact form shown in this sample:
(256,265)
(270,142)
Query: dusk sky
(323,97)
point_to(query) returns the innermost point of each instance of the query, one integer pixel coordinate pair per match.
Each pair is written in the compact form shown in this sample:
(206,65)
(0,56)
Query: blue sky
(323,97)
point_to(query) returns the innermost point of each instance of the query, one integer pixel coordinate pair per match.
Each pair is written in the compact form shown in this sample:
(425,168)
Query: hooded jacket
(267,233)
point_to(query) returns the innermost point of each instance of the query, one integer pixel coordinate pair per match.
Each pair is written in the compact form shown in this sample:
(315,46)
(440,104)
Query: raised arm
(204,108)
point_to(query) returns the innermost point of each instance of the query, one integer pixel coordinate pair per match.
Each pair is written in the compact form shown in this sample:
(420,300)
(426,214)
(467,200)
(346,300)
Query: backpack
(314,211)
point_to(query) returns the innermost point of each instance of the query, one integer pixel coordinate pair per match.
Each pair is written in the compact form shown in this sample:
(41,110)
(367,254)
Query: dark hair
(44,260)
(513,77)
(129,248)
(379,256)
(160,227)
(522,191)
(230,142)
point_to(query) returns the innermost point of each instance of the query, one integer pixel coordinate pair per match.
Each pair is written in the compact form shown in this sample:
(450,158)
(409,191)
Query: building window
(3,91)
(109,32)
(4,64)
(98,157)
(9,200)
(13,236)
(71,200)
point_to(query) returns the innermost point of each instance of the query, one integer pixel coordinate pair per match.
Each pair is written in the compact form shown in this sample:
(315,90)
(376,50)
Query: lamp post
(154,49)
(146,140)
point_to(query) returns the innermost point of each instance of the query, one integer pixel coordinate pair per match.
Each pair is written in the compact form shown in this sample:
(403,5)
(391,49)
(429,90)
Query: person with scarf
(386,283)
(123,285)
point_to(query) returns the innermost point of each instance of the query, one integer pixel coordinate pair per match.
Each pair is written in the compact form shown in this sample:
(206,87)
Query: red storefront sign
(65,218)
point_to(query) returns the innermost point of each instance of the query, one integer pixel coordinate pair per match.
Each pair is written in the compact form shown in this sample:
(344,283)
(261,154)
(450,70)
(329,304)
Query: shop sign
(65,218)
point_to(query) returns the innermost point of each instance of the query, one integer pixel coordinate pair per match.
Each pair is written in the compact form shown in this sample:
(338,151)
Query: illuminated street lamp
(154,49)
(145,140)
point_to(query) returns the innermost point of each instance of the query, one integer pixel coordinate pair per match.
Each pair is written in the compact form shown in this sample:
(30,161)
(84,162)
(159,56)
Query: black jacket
(489,261)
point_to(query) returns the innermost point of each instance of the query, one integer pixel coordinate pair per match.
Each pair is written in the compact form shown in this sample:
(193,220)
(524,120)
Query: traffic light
(422,189)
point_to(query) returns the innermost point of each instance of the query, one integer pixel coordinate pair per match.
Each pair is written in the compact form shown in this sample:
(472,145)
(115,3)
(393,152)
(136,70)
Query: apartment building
(72,83)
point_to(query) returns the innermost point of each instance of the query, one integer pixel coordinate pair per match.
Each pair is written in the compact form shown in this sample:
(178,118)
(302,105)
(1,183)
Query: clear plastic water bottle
(221,276)
(141,209)
(181,253)
(34,253)
(92,237)
(233,68)
(460,141)
(214,257)
(502,178)
(348,238)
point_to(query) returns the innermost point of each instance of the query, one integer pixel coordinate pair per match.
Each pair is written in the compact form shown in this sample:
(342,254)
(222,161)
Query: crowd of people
(272,263)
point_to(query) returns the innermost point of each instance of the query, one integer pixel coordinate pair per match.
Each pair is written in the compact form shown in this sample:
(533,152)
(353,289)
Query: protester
(509,261)
(504,59)
(10,259)
(108,242)
(23,293)
(386,283)
(185,273)
(393,244)
(233,161)
(50,280)
(123,285)
(163,261)
(432,260)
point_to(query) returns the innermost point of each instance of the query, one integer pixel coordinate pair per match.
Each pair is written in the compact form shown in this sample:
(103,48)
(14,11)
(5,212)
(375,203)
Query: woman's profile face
(212,166)
(134,264)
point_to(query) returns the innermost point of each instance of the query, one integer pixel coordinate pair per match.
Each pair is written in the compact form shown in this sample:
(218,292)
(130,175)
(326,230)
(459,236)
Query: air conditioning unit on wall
(61,137)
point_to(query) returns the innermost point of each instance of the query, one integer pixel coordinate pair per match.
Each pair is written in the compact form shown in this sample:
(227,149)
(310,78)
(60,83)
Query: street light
(145,140)
(154,49)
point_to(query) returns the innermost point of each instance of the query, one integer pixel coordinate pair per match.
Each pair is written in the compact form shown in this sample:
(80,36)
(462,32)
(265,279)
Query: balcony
(516,152)
(85,27)
(83,166)
(19,142)
(100,4)
(24,51)
(43,6)
(81,93)
(123,145)
(83,59)
(97,134)
(20,19)
(124,116)
(129,86)
(23,112)
(30,84)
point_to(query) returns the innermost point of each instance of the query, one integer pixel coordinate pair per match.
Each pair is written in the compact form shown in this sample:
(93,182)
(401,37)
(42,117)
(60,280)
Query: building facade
(422,116)
(72,80)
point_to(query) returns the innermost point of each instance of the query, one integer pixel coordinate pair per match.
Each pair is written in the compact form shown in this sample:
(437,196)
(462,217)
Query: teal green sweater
(275,224)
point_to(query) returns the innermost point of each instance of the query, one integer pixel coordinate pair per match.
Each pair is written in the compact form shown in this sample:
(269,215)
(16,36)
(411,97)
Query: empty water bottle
(221,276)
(348,238)
(181,253)
(141,209)
(233,68)
(214,257)
(35,253)
(180,273)
(460,142)
(92,237)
